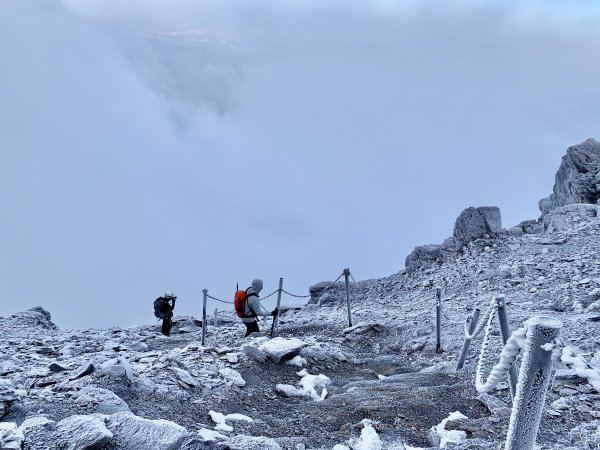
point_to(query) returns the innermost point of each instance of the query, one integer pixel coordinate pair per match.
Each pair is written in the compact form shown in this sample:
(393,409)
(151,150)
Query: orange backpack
(239,303)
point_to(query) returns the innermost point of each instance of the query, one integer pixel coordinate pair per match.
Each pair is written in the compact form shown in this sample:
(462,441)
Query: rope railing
(294,295)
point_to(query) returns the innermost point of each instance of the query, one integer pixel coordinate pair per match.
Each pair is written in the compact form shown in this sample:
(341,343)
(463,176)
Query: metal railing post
(534,376)
(216,322)
(505,332)
(438,320)
(205,291)
(465,349)
(346,275)
(276,318)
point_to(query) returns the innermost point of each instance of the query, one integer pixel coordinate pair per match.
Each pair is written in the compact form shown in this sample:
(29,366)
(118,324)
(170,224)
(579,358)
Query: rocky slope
(321,384)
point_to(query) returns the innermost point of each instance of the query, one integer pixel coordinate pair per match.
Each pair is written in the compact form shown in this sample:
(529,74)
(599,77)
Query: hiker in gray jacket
(254,308)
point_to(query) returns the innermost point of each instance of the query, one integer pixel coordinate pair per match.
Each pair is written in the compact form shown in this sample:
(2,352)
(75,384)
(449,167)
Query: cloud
(151,146)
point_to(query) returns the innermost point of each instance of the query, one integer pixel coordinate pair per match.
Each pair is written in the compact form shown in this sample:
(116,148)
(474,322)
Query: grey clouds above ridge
(357,131)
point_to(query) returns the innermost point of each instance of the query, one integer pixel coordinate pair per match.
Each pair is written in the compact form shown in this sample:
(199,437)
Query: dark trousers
(166,326)
(251,327)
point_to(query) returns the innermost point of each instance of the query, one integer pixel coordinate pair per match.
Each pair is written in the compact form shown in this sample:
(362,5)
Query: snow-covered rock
(243,442)
(233,376)
(133,433)
(280,348)
(11,438)
(81,433)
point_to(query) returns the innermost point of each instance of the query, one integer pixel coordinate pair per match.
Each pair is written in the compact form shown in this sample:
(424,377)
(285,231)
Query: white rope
(507,356)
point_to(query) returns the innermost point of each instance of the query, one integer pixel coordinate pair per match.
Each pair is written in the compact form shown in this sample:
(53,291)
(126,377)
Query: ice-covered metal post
(465,349)
(205,291)
(216,322)
(534,377)
(438,320)
(505,332)
(346,275)
(276,318)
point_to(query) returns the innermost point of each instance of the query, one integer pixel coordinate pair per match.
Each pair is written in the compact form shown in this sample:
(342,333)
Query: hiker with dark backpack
(163,309)
(248,307)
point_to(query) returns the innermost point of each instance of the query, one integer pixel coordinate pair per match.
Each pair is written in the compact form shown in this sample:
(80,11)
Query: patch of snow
(210,435)
(310,383)
(297,361)
(452,436)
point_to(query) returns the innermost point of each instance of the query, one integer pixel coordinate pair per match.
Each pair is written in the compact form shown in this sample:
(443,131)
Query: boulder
(531,226)
(102,400)
(38,431)
(232,376)
(474,223)
(562,217)
(324,292)
(81,433)
(243,442)
(577,178)
(36,318)
(132,433)
(11,437)
(424,256)
(280,348)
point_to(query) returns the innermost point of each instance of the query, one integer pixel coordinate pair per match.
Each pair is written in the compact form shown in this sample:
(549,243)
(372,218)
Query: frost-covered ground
(321,384)
(328,377)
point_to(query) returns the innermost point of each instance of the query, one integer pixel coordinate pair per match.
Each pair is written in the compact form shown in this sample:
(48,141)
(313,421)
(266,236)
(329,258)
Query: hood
(257,285)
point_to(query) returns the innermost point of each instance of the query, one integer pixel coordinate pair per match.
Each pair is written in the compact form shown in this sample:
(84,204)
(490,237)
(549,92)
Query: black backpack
(162,308)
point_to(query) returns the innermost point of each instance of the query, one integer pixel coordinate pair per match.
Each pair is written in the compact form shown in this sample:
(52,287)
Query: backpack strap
(252,313)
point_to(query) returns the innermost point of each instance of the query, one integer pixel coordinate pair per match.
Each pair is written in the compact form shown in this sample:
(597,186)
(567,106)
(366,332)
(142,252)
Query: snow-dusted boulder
(280,348)
(232,376)
(243,442)
(32,319)
(324,292)
(474,223)
(139,347)
(185,376)
(102,400)
(562,217)
(577,179)
(11,437)
(424,256)
(38,431)
(133,433)
(81,433)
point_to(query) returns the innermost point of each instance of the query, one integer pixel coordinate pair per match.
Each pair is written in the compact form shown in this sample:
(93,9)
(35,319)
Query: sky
(154,145)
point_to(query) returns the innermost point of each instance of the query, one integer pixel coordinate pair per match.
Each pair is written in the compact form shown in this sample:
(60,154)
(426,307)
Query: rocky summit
(382,382)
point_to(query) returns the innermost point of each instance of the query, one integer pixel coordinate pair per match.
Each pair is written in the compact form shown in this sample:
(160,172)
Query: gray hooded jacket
(253,306)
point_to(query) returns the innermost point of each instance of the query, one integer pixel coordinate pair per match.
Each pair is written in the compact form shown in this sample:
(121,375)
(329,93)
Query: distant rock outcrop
(36,318)
(475,223)
(577,179)
(472,223)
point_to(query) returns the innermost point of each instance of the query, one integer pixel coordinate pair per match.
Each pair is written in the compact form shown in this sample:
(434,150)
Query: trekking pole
(205,291)
(505,331)
(465,349)
(438,320)
(216,323)
(275,324)
(346,275)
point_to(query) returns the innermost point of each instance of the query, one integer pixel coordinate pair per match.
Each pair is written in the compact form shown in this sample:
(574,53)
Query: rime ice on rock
(82,432)
(233,376)
(280,348)
(132,433)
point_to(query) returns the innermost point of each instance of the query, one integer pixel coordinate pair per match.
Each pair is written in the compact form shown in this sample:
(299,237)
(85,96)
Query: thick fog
(186,145)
